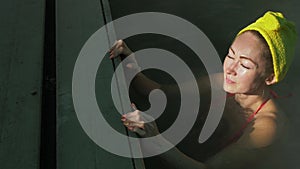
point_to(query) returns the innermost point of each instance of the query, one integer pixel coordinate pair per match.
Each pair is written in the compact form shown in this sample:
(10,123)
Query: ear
(270,79)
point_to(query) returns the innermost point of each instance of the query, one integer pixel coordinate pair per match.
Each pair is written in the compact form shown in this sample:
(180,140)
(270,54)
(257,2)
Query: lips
(229,81)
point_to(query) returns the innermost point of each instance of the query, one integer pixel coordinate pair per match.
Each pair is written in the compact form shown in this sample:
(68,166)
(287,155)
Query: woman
(258,57)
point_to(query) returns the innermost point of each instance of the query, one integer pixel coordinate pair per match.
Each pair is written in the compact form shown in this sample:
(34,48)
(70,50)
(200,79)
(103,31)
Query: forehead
(248,45)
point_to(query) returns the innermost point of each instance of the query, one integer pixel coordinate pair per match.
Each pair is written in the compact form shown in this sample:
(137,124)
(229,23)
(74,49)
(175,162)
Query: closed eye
(245,66)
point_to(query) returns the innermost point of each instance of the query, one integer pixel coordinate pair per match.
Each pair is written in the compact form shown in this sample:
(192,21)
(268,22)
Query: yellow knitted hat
(281,36)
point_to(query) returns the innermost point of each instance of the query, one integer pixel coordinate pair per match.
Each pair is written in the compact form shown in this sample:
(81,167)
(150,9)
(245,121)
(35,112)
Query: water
(220,20)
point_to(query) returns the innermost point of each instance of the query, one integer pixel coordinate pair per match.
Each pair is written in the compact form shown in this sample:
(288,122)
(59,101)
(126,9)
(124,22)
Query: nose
(231,68)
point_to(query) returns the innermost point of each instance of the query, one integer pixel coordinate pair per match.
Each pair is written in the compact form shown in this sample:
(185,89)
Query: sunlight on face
(244,65)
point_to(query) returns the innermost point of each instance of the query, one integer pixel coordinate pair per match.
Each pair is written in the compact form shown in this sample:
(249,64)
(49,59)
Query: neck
(252,101)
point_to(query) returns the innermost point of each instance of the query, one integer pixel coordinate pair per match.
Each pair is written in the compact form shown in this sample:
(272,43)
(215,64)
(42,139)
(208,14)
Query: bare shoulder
(264,130)
(266,127)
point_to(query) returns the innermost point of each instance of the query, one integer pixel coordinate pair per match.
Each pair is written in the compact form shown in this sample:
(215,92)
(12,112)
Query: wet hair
(266,53)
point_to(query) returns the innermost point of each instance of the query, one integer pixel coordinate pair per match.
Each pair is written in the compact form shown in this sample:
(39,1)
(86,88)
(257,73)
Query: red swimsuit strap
(239,133)
(249,119)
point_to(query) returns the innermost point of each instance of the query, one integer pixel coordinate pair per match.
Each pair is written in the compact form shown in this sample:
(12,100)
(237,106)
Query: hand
(119,48)
(144,126)
(140,122)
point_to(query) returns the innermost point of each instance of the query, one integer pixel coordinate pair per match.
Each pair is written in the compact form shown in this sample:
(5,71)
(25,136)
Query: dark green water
(220,20)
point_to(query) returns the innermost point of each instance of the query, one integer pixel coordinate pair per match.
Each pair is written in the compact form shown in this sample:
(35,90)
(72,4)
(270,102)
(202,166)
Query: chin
(229,89)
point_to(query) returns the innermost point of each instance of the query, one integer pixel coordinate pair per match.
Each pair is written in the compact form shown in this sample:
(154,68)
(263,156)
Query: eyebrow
(244,57)
(231,50)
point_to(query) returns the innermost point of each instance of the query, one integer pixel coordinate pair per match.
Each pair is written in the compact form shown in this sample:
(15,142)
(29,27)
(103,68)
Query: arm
(143,85)
(251,148)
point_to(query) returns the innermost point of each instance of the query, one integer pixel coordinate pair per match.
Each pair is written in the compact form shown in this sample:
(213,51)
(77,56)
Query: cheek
(246,77)
(249,81)
(242,72)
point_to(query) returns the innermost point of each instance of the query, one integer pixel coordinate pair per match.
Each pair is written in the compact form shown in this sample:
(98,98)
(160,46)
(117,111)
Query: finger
(126,123)
(114,45)
(133,124)
(111,56)
(114,49)
(133,116)
(114,53)
(133,113)
(111,53)
(130,128)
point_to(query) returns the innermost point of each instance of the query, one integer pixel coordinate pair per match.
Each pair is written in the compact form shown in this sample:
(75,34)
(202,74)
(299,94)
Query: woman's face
(244,65)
